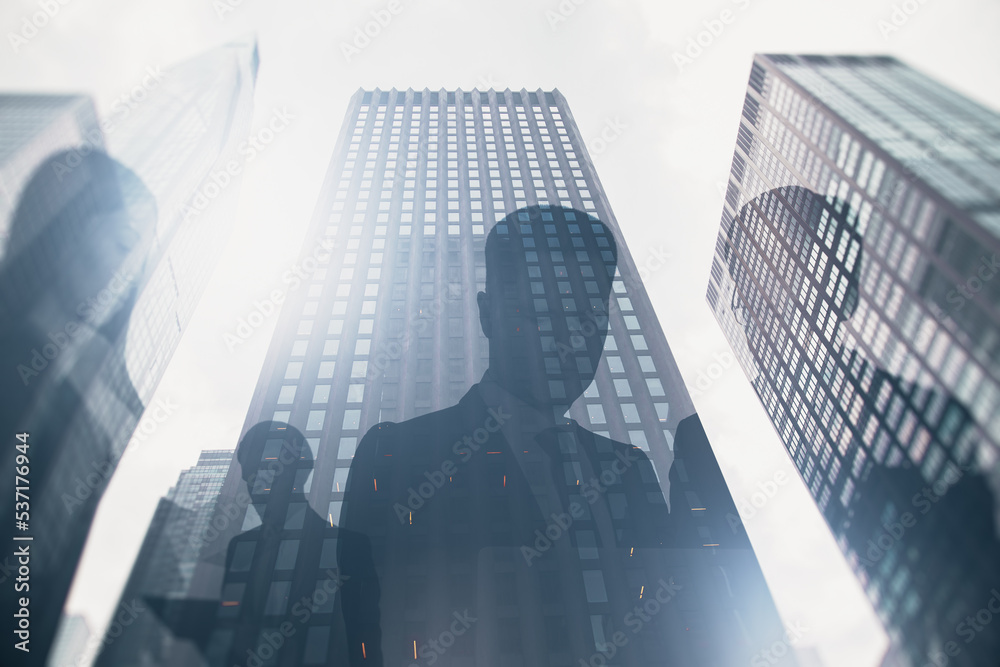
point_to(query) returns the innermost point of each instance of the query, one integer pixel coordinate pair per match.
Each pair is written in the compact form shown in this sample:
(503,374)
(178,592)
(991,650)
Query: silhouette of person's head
(549,271)
(80,220)
(270,454)
(820,238)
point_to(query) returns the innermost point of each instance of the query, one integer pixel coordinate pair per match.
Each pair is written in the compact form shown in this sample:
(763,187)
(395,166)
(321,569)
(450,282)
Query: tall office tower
(853,278)
(380,332)
(165,564)
(105,261)
(32,128)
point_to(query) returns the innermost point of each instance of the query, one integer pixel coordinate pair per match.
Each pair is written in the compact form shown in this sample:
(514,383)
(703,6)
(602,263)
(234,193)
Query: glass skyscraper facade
(854,278)
(166,562)
(103,264)
(381,331)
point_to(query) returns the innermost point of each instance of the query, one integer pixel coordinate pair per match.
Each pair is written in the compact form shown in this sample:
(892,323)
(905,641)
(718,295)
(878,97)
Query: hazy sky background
(614,62)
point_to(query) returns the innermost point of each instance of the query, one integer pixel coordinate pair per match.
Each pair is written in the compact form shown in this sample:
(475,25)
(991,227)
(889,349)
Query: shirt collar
(527,421)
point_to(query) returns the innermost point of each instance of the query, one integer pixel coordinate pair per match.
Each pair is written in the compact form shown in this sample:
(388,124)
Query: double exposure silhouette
(504,532)
(497,531)
(68,283)
(292,581)
(916,513)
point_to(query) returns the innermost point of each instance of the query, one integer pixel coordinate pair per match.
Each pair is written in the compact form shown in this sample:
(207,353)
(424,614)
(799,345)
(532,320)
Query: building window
(596,414)
(303,481)
(355,393)
(352,420)
(333,512)
(340,477)
(242,556)
(315,420)
(277,598)
(348,446)
(262,482)
(295,518)
(622,388)
(321,393)
(317,642)
(630,413)
(638,439)
(253,517)
(593,582)
(288,551)
(232,596)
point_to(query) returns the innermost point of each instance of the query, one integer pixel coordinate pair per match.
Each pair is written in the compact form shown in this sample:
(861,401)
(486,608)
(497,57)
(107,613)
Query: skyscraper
(853,278)
(102,267)
(381,323)
(167,559)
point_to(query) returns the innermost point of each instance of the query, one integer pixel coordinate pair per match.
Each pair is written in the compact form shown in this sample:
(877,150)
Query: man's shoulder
(440,426)
(605,447)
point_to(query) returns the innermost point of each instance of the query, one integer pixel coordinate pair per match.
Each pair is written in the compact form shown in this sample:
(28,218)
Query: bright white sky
(613,60)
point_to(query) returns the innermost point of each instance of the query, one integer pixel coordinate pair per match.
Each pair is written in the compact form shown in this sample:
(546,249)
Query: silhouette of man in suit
(504,532)
(296,589)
